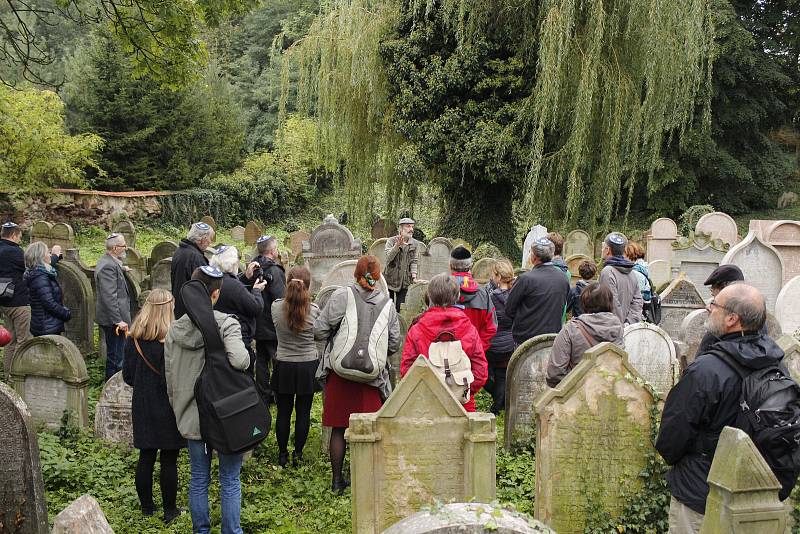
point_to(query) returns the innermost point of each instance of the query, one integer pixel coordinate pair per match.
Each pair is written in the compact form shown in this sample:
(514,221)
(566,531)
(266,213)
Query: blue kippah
(202,226)
(10,224)
(617,239)
(263,238)
(213,272)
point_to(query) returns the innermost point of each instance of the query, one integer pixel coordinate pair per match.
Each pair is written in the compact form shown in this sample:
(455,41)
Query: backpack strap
(586,336)
(442,334)
(740,369)
(146,361)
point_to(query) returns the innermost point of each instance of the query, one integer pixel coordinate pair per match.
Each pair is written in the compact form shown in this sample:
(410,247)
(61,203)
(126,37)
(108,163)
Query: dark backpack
(651,311)
(770,414)
(233,418)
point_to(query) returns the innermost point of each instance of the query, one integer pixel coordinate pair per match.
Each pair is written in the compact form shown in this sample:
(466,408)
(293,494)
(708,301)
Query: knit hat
(460,253)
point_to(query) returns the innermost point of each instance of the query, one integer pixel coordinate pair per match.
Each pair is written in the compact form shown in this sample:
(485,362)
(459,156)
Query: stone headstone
(697,256)
(378,249)
(660,273)
(134,291)
(468,518)
(161,275)
(49,373)
(77,295)
(40,231)
(436,259)
(82,516)
(62,234)
(483,269)
(162,250)
(209,220)
(127,229)
(23,508)
(743,491)
(526,379)
(659,243)
(787,306)
(761,264)
(678,300)
(342,275)
(718,225)
(112,420)
(592,440)
(693,328)
(252,232)
(296,242)
(578,242)
(237,233)
(415,301)
(791,354)
(137,263)
(535,233)
(330,244)
(574,263)
(785,237)
(652,353)
(419,448)
(383,228)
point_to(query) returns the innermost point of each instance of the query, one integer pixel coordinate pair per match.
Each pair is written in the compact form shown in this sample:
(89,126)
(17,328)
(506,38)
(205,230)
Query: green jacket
(401,263)
(184,358)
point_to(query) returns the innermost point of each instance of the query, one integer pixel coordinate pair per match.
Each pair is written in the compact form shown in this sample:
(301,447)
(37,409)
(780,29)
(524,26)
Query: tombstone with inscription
(378,249)
(578,242)
(697,256)
(419,448)
(127,229)
(483,269)
(652,352)
(718,225)
(237,233)
(535,233)
(40,231)
(660,273)
(342,275)
(252,232)
(468,518)
(112,420)
(22,500)
(526,379)
(49,373)
(678,300)
(82,516)
(785,237)
(659,243)
(592,440)
(761,264)
(62,234)
(330,244)
(435,260)
(161,275)
(76,288)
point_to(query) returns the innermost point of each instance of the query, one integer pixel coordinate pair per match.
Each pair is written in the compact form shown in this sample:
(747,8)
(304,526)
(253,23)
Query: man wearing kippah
(187,258)
(401,261)
(112,302)
(15,307)
(619,276)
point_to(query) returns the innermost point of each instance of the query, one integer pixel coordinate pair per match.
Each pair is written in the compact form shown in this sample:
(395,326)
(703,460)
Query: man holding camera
(401,261)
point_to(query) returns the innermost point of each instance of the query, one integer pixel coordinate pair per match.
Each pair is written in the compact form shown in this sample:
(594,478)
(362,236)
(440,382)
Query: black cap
(460,253)
(724,274)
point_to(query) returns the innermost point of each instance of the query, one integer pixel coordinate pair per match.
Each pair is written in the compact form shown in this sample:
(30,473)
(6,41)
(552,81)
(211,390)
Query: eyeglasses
(711,305)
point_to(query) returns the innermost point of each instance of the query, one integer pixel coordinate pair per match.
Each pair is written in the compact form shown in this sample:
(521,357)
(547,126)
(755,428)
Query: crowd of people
(266,324)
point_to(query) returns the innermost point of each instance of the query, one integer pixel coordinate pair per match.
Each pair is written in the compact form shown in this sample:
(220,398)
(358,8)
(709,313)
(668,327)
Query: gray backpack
(360,346)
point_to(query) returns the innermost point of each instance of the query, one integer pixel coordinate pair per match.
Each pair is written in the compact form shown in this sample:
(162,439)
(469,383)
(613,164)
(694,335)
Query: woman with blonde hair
(48,313)
(154,426)
(502,346)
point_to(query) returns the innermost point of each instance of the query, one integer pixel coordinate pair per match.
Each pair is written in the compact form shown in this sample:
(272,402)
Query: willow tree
(608,84)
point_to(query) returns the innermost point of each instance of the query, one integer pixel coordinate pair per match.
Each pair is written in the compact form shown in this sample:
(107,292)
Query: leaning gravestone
(791,355)
(419,448)
(483,269)
(592,441)
(652,353)
(252,232)
(678,300)
(237,233)
(49,373)
(435,260)
(468,518)
(659,243)
(82,516)
(163,250)
(62,234)
(535,233)
(127,229)
(112,420)
(578,242)
(342,275)
(743,491)
(78,296)
(330,244)
(161,275)
(785,237)
(526,379)
(718,225)
(23,509)
(697,256)
(761,264)
(378,249)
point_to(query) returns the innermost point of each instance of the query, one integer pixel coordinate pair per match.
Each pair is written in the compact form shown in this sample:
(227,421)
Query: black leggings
(168,480)
(302,420)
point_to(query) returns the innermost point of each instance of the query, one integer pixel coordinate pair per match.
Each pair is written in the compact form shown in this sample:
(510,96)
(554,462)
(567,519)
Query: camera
(258,273)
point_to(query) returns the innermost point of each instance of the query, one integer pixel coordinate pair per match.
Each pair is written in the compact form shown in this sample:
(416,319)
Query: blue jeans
(114,349)
(230,489)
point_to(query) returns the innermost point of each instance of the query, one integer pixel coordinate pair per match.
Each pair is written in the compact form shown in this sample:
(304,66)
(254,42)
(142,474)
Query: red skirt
(344,397)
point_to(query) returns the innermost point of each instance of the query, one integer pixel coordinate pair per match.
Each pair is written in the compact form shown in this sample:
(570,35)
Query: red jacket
(433,322)
(478,306)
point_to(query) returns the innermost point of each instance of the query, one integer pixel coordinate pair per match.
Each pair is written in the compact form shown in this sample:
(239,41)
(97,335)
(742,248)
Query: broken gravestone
(82,516)
(113,420)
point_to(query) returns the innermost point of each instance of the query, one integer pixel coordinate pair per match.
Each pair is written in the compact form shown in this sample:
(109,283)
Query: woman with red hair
(345,323)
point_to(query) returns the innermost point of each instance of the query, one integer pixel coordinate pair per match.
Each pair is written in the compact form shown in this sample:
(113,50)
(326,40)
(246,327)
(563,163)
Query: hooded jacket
(700,405)
(186,259)
(619,276)
(184,359)
(430,324)
(477,304)
(571,343)
(12,265)
(537,301)
(48,313)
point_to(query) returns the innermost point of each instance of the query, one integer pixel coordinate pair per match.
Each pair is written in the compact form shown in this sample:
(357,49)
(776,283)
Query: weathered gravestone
(526,379)
(23,509)
(573,265)
(652,353)
(127,229)
(209,220)
(378,249)
(718,225)
(785,237)
(743,491)
(678,300)
(415,301)
(791,355)
(659,242)
(660,273)
(761,264)
(578,242)
(40,231)
(468,518)
(296,242)
(252,232)
(161,275)
(435,260)
(330,244)
(419,448)
(483,269)
(535,233)
(383,228)
(137,264)
(62,234)
(163,250)
(697,256)
(49,373)
(237,233)
(342,275)
(82,516)
(112,417)
(78,296)
(592,440)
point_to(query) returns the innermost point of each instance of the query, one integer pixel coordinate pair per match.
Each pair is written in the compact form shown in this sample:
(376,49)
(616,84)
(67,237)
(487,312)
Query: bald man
(706,399)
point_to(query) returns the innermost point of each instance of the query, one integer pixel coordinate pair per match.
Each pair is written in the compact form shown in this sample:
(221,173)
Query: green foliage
(516,477)
(688,219)
(36,152)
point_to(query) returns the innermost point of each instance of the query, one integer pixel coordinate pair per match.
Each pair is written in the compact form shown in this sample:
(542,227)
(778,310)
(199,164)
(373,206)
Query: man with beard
(112,305)
(401,261)
(706,399)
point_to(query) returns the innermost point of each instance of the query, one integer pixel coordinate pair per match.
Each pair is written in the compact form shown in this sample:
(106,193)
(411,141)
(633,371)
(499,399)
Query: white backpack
(452,365)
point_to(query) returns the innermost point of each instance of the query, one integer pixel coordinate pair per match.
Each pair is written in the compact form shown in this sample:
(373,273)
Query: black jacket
(702,403)
(574,299)
(48,313)
(536,302)
(185,260)
(709,339)
(274,290)
(243,302)
(12,265)
(503,341)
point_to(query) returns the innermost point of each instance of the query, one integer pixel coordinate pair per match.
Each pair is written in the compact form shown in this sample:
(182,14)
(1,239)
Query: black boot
(283,459)
(297,458)
(338,486)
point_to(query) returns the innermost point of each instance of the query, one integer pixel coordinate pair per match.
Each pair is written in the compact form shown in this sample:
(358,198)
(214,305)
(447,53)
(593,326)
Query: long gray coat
(112,303)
